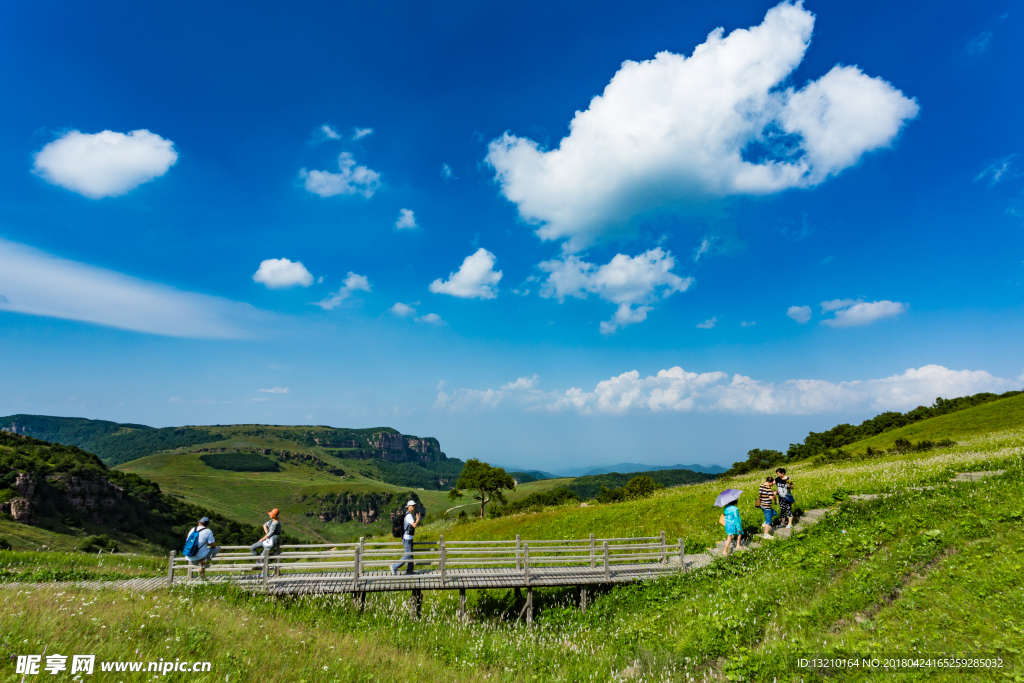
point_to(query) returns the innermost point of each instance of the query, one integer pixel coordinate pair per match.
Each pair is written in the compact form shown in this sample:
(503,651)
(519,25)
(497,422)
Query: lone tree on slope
(487,481)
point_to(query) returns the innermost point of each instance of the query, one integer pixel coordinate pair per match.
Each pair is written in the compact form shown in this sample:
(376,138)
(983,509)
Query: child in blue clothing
(733,526)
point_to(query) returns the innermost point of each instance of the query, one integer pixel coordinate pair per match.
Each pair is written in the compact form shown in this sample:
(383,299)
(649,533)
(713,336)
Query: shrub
(4,544)
(239,462)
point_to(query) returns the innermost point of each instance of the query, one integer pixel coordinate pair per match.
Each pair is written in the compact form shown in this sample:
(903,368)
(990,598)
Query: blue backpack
(191,543)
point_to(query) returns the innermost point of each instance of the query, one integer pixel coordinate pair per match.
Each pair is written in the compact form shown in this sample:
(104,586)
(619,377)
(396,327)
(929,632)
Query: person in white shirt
(410,525)
(206,547)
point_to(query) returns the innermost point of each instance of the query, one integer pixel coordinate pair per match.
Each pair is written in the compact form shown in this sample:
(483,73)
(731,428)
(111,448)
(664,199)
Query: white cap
(411,502)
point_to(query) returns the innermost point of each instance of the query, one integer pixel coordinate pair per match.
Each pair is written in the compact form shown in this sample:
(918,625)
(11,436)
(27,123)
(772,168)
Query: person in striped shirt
(765,499)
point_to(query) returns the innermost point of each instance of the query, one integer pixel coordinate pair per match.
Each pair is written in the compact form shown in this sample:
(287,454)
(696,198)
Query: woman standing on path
(765,498)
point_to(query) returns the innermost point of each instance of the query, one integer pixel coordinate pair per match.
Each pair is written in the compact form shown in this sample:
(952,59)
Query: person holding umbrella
(730,518)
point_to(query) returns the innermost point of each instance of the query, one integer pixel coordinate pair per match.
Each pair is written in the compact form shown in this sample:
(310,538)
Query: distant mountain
(628,467)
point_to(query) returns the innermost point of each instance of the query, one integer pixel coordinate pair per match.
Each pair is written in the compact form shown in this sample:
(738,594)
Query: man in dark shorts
(784,489)
(765,498)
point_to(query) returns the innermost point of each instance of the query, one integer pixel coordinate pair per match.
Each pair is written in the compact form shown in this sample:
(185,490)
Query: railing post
(591,551)
(526,563)
(664,549)
(357,567)
(607,568)
(266,567)
(517,552)
(682,556)
(170,569)
(440,561)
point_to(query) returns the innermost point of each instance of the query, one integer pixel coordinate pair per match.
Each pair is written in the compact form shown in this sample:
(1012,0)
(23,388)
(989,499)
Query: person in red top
(765,499)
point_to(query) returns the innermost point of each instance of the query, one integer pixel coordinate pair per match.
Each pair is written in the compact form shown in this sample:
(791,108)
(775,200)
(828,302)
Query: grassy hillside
(294,489)
(1000,415)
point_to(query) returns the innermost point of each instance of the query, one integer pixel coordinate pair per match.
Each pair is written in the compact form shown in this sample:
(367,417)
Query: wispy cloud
(447,173)
(748,324)
(708,324)
(275,390)
(979,43)
(360,133)
(36,283)
(995,170)
(853,314)
(352,283)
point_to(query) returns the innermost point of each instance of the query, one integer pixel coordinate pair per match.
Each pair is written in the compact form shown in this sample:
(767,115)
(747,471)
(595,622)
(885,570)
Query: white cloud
(978,44)
(748,324)
(280,273)
(37,283)
(836,304)
(105,164)
(402,310)
(995,171)
(475,279)
(705,247)
(680,391)
(275,390)
(630,282)
(708,324)
(717,123)
(352,283)
(351,179)
(447,173)
(406,220)
(430,319)
(360,133)
(865,313)
(325,132)
(521,384)
(801,314)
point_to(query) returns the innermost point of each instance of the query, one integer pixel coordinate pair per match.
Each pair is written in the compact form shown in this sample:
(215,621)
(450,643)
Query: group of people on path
(766,499)
(201,547)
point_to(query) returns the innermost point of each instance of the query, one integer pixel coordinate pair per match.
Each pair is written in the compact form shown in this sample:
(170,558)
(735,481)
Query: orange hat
(273,513)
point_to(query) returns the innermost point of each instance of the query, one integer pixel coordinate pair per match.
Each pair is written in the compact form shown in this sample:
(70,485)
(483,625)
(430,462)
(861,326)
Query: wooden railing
(442,559)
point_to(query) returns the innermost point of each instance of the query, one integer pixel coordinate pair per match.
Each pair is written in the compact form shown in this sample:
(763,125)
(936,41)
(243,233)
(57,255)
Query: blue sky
(299,215)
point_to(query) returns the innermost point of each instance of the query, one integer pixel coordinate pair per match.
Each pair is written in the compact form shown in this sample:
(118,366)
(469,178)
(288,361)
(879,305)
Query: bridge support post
(415,604)
(266,567)
(529,607)
(170,569)
(583,599)
(462,605)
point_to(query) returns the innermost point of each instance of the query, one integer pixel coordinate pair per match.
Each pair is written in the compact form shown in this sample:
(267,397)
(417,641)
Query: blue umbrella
(727,496)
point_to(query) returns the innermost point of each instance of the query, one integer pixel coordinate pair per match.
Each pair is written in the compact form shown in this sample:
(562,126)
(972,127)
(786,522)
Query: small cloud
(447,173)
(406,220)
(360,133)
(402,310)
(105,164)
(521,384)
(995,171)
(320,280)
(431,319)
(836,304)
(707,324)
(746,324)
(475,278)
(979,43)
(173,399)
(801,314)
(325,132)
(275,390)
(352,283)
(281,273)
(866,312)
(705,246)
(350,179)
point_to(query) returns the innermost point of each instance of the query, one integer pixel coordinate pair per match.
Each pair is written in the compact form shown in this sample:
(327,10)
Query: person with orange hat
(271,537)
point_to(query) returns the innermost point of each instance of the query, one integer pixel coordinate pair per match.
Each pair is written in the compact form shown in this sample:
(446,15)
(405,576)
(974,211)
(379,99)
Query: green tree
(487,481)
(640,487)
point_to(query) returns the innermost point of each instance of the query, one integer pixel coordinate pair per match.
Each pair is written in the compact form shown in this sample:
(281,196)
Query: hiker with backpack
(271,537)
(784,488)
(407,529)
(200,546)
